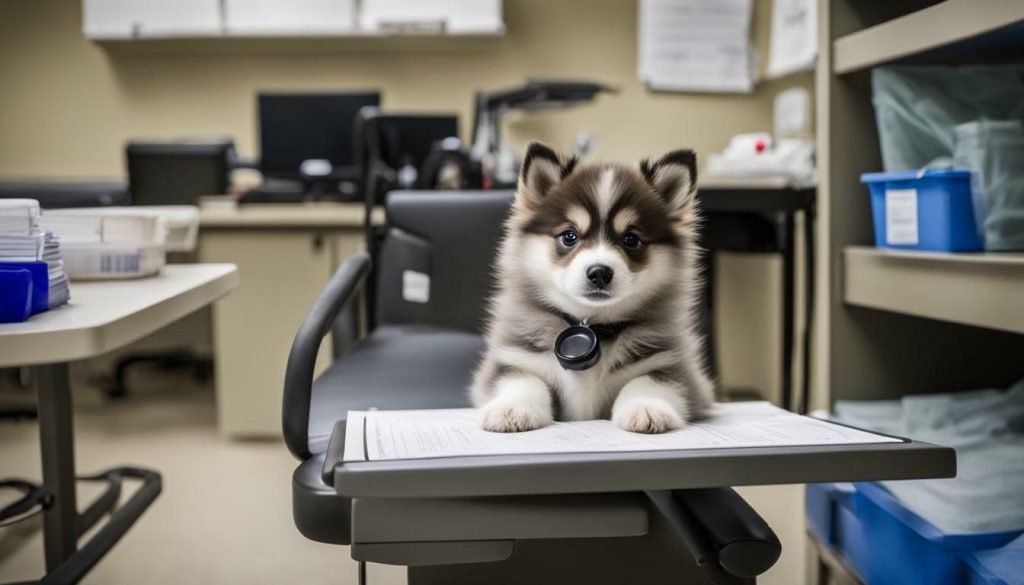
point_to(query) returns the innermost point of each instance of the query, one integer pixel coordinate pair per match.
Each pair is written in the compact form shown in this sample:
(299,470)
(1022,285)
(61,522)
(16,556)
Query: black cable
(21,519)
(33,496)
(362,572)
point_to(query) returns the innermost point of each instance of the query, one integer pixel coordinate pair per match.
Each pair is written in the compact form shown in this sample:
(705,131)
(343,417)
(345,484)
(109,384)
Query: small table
(783,200)
(102,316)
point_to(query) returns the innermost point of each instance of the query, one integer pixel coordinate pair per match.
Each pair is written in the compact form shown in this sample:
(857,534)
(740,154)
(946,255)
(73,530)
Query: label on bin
(901,216)
(415,287)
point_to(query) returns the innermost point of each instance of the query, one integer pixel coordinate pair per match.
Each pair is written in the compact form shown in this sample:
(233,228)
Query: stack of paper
(382,435)
(109,243)
(22,239)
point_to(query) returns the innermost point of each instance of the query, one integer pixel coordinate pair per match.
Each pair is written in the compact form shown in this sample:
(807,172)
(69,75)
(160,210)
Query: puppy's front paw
(646,416)
(500,416)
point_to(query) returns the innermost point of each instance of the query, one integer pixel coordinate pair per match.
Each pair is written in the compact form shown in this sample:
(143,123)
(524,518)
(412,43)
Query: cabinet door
(120,19)
(453,16)
(281,273)
(294,17)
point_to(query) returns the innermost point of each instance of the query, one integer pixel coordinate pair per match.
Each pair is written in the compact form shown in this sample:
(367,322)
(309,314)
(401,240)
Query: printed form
(381,435)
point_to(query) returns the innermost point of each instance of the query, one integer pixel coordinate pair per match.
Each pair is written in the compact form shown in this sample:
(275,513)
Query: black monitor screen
(408,138)
(299,127)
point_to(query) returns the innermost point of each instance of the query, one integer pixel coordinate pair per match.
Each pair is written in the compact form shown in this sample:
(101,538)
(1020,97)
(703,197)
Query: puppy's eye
(568,238)
(631,240)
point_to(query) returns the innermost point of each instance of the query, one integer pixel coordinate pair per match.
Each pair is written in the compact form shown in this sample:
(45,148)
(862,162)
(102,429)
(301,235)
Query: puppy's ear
(673,176)
(542,170)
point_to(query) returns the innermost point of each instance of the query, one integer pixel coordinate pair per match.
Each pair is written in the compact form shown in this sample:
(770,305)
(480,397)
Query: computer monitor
(299,127)
(177,173)
(408,138)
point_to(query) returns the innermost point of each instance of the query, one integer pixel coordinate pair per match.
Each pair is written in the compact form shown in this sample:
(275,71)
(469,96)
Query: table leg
(56,436)
(805,383)
(788,304)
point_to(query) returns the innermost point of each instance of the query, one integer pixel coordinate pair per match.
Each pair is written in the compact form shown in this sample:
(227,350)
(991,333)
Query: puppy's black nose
(600,274)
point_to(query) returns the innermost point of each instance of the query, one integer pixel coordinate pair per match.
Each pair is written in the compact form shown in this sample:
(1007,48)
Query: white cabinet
(448,16)
(292,17)
(123,19)
(142,19)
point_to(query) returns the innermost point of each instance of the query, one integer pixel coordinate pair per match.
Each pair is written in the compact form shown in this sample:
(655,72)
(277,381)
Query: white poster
(794,43)
(696,45)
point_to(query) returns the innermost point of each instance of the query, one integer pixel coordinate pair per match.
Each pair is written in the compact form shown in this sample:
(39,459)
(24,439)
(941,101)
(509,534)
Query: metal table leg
(788,304)
(56,438)
(805,382)
(66,563)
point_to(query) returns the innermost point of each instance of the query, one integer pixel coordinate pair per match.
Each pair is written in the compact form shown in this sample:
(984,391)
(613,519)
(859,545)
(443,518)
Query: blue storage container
(40,272)
(1002,566)
(15,294)
(886,543)
(927,209)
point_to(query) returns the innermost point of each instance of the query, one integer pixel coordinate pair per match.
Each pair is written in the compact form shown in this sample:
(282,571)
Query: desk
(285,252)
(783,201)
(102,316)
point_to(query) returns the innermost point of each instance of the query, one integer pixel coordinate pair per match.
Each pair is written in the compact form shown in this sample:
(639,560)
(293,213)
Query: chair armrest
(727,538)
(298,377)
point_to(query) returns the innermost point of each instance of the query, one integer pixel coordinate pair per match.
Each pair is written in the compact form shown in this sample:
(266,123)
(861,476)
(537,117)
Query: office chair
(392,151)
(178,173)
(173,173)
(421,355)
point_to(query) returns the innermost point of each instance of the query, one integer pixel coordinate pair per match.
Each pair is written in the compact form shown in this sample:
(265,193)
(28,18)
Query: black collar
(604,331)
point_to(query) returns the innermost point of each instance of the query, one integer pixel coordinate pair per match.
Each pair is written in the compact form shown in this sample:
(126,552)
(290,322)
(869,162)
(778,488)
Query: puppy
(612,248)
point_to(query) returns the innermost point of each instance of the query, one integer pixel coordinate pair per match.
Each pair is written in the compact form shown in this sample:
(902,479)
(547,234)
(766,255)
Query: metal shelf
(984,290)
(930,28)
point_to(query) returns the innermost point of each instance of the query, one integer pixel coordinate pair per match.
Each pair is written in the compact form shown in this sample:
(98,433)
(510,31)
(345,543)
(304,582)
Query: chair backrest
(177,173)
(384,142)
(436,262)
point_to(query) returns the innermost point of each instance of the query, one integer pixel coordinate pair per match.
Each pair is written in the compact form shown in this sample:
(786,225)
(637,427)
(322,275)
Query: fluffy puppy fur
(609,245)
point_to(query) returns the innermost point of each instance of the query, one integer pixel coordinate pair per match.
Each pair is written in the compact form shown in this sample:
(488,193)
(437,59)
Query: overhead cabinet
(125,19)
(112,20)
(294,17)
(443,16)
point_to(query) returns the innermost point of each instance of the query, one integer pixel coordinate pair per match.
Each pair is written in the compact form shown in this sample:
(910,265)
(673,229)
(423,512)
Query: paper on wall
(415,434)
(696,45)
(794,43)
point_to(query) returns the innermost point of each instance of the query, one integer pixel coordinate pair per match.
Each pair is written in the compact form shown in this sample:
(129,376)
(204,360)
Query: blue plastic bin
(1002,566)
(40,272)
(886,543)
(15,294)
(923,210)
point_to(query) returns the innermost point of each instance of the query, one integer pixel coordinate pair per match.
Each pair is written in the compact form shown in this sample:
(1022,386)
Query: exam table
(596,518)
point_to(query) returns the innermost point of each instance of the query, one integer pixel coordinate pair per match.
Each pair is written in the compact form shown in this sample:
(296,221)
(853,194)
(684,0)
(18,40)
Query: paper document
(417,434)
(696,45)
(794,36)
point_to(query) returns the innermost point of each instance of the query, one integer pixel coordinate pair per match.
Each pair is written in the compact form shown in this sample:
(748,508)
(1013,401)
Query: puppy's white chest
(587,394)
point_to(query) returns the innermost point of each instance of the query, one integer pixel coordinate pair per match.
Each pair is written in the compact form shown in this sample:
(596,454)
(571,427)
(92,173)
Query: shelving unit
(984,290)
(926,29)
(892,323)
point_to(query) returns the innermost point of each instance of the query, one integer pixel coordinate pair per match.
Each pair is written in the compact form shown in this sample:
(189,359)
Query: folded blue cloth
(986,427)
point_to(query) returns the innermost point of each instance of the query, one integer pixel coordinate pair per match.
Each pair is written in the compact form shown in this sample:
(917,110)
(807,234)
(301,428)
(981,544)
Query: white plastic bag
(994,153)
(917,108)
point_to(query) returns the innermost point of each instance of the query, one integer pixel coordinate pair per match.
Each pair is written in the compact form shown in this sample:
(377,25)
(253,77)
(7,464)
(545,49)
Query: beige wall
(67,105)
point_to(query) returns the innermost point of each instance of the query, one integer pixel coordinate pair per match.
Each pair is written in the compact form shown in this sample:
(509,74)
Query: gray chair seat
(396,367)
